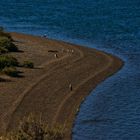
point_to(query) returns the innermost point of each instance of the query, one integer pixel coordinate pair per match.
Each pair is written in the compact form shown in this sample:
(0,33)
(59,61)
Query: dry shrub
(31,128)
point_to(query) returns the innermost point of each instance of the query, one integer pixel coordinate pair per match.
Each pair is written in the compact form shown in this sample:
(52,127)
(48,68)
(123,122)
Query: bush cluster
(28,64)
(8,61)
(11,71)
(4,34)
(7,45)
(6,42)
(7,65)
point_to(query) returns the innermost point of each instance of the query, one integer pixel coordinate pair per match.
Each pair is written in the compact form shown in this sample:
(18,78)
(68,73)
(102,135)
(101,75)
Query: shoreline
(85,68)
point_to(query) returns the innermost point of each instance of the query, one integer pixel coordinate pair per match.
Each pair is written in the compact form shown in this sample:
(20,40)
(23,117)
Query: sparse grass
(7,44)
(28,64)
(7,61)
(35,129)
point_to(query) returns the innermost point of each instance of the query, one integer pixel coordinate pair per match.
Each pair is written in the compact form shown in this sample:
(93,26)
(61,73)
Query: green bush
(6,43)
(32,129)
(28,64)
(10,71)
(7,61)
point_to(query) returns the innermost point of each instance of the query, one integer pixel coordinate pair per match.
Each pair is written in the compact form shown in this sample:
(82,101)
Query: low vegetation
(4,34)
(34,129)
(28,64)
(3,50)
(7,45)
(8,63)
(10,71)
(6,42)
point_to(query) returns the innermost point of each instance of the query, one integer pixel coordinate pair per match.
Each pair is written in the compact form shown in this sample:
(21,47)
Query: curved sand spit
(45,89)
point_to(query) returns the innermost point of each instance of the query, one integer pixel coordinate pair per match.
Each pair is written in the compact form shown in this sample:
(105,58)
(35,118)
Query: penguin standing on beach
(45,36)
(70,87)
(55,55)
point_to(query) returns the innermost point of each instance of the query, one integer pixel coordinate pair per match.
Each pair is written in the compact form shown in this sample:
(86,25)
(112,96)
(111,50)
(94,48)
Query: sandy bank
(45,89)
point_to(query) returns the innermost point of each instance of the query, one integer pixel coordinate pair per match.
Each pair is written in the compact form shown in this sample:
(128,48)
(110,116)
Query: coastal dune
(46,89)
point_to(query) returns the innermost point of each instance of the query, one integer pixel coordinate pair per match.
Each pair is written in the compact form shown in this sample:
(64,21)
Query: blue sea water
(112,110)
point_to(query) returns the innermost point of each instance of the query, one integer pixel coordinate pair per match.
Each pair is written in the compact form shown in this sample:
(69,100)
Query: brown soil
(45,89)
